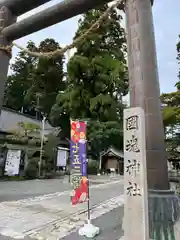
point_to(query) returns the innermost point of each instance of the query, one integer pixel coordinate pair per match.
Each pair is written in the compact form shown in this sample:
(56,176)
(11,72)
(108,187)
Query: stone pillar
(135,179)
(6,19)
(144,87)
(145,93)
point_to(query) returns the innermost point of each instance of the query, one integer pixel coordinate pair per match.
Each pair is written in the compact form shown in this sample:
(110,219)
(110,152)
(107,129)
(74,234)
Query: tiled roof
(113,151)
(9,120)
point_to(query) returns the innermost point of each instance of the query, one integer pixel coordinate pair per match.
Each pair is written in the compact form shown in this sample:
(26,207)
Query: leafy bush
(31,170)
(14,178)
(93,167)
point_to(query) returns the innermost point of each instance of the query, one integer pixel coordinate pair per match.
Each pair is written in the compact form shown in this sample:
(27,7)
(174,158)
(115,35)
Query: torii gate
(143,74)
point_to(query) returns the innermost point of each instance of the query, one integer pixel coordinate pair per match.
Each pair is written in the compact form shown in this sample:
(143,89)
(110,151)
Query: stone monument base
(164,212)
(164,215)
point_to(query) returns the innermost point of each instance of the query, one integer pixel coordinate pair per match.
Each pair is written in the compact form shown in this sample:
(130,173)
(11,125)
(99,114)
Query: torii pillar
(145,93)
(6,18)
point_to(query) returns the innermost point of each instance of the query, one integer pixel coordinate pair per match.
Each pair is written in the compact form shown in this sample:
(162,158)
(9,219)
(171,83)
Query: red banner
(80,194)
(79,180)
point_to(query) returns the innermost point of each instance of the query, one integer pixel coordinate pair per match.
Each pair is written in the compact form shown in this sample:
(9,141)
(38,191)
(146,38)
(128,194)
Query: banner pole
(88,230)
(88,202)
(69,180)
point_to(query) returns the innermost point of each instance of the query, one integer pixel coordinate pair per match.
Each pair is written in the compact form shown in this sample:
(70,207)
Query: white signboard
(62,156)
(12,162)
(135,178)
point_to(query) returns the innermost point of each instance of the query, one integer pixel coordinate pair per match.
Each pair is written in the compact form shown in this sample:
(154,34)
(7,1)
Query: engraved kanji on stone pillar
(135,178)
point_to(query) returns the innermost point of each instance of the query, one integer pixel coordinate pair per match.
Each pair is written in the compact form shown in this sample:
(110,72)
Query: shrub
(32,168)
(14,178)
(93,167)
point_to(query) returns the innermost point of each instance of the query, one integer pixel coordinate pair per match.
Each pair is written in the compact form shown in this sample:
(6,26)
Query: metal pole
(41,148)
(69,176)
(88,202)
(100,163)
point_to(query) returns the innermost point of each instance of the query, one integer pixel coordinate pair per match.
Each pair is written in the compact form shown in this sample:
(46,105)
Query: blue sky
(167,28)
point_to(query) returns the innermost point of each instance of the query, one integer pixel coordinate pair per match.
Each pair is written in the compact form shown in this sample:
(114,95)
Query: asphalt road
(110,225)
(15,190)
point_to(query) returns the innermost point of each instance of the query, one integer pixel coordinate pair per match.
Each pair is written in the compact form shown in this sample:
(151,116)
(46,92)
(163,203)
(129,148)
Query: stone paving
(52,216)
(60,229)
(110,225)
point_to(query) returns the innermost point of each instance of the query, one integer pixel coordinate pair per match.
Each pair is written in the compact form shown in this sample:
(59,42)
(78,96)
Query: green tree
(171,101)
(20,79)
(27,136)
(48,78)
(34,83)
(26,132)
(102,135)
(97,76)
(171,119)
(50,153)
(171,109)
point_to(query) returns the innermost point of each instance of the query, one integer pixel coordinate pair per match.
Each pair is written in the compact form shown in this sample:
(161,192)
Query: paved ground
(50,214)
(110,225)
(9,238)
(15,190)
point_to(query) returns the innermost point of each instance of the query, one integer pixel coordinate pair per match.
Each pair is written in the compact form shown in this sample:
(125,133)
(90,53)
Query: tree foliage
(26,133)
(50,152)
(102,135)
(29,128)
(171,108)
(171,102)
(48,78)
(20,80)
(93,89)
(97,78)
(171,117)
(34,83)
